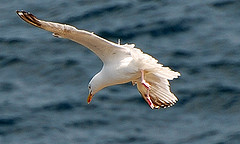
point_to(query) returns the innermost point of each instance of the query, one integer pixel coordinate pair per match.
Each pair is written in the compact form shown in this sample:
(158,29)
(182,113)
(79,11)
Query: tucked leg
(148,87)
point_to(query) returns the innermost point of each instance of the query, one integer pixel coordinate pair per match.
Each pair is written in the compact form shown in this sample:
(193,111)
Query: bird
(122,63)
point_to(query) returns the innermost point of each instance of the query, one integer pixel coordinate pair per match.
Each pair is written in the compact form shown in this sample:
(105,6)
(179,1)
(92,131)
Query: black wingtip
(28,17)
(21,12)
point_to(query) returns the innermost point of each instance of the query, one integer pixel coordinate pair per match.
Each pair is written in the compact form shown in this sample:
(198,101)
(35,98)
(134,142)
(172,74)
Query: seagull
(121,63)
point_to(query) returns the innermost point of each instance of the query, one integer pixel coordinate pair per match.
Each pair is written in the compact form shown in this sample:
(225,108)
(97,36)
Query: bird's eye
(89,86)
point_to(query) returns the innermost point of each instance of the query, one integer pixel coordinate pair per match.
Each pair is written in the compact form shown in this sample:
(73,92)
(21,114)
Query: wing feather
(101,47)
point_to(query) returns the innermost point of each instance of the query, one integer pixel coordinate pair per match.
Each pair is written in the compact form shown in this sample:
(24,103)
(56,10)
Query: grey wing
(101,47)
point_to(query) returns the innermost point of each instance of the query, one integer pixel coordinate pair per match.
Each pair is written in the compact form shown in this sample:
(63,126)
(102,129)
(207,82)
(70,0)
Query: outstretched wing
(159,93)
(103,48)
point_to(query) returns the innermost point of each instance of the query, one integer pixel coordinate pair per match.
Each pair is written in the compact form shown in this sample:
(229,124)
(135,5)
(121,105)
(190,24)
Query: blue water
(43,80)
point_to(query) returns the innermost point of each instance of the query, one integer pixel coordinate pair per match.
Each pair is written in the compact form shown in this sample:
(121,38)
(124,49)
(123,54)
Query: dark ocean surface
(44,80)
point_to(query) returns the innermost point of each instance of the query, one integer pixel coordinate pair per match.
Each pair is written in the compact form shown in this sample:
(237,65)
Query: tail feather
(167,73)
(160,93)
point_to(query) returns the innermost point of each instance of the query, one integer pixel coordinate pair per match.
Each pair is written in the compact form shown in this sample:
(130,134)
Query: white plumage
(121,63)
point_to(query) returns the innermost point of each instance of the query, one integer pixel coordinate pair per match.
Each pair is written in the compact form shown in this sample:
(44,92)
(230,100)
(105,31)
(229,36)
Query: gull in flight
(121,64)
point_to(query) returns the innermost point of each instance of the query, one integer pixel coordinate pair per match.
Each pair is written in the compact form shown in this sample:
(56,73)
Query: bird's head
(95,85)
(91,93)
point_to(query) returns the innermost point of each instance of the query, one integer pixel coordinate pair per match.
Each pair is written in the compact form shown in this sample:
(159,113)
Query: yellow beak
(90,96)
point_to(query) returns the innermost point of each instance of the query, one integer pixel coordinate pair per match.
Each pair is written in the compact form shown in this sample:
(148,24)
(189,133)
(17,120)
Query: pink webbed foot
(148,87)
(149,101)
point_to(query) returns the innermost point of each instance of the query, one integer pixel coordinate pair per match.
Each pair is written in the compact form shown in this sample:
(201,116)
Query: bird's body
(121,63)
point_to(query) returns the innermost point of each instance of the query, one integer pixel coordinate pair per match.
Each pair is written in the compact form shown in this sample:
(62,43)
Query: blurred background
(43,79)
